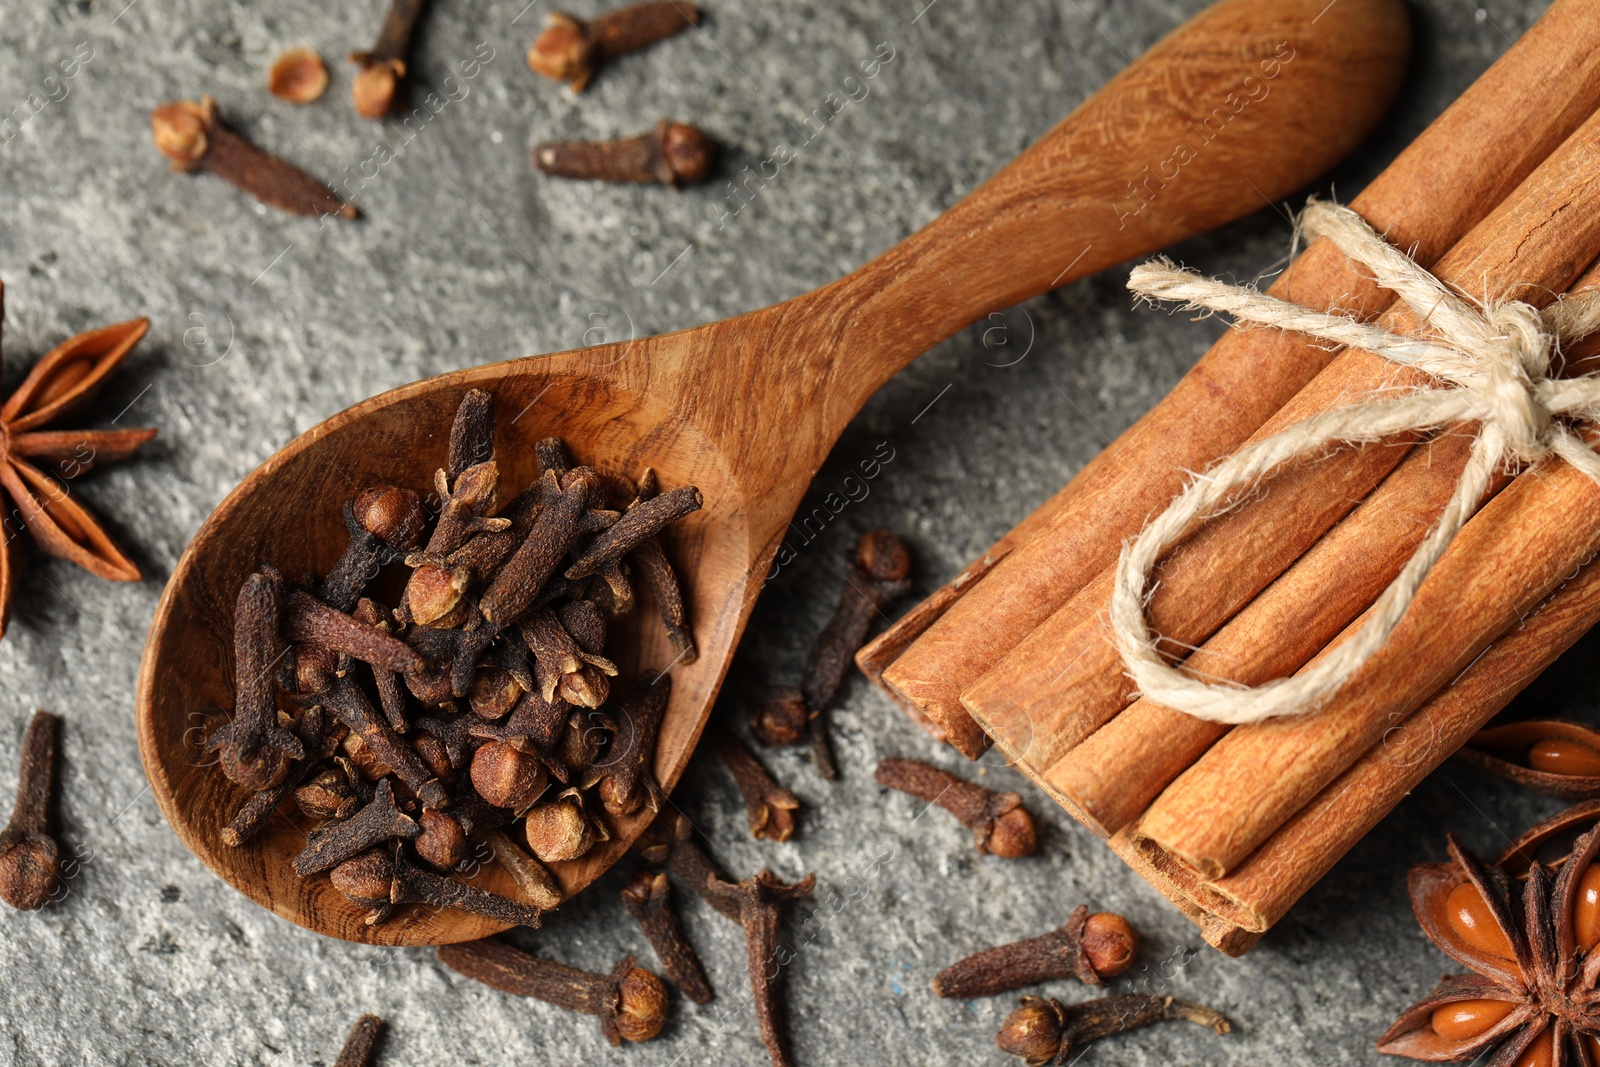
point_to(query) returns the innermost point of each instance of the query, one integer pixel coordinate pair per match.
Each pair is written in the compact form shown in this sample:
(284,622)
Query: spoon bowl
(747,409)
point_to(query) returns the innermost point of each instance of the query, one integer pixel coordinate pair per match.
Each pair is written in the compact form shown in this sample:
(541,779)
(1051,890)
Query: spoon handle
(1243,104)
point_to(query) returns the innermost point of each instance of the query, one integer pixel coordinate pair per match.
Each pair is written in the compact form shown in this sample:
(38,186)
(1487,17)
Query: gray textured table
(265,325)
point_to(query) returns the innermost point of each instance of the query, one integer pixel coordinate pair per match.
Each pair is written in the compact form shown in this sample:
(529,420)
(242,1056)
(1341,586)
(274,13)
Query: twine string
(1493,364)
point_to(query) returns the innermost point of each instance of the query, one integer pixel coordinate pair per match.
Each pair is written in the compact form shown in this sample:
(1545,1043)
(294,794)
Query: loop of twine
(1493,363)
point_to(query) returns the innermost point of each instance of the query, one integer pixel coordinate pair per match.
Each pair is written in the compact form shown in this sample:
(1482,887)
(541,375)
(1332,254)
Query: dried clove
(648,899)
(626,781)
(378,880)
(651,560)
(30,859)
(630,1002)
(1090,948)
(382,67)
(254,751)
(571,49)
(998,821)
(878,570)
(192,136)
(319,736)
(1050,1032)
(362,1043)
(759,898)
(562,830)
(507,776)
(309,621)
(673,153)
(331,844)
(351,706)
(643,520)
(385,524)
(534,882)
(769,806)
(471,433)
(298,76)
(329,795)
(390,697)
(669,842)
(517,584)
(534,720)
(494,693)
(781,721)
(443,841)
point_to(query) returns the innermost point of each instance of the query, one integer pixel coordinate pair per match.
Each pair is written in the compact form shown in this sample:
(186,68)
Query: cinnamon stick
(1512,554)
(1065,679)
(1119,769)
(1446,181)
(1235,909)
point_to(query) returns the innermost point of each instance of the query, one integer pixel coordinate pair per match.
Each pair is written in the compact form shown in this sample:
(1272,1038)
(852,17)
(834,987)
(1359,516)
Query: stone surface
(265,325)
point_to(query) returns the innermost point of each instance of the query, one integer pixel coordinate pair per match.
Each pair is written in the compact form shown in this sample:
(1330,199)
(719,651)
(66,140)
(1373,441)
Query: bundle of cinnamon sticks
(1500,196)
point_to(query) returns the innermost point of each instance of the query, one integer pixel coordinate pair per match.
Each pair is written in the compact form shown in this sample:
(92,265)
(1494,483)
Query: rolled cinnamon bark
(1447,180)
(1065,679)
(1267,884)
(1120,768)
(1509,557)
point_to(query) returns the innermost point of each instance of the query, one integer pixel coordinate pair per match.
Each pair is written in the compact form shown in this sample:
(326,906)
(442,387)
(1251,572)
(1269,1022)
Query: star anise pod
(1532,999)
(35,460)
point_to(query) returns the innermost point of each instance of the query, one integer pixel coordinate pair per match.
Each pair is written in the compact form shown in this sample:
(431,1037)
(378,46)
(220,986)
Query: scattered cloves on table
(759,899)
(648,899)
(383,66)
(673,153)
(669,842)
(1090,948)
(878,570)
(298,76)
(362,1044)
(769,806)
(418,731)
(1050,1032)
(191,135)
(30,859)
(998,821)
(630,1002)
(571,49)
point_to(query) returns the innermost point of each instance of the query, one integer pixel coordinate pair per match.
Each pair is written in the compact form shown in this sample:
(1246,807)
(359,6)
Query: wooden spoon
(1242,104)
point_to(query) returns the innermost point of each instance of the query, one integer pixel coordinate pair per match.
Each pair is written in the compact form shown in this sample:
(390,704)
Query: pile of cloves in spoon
(483,700)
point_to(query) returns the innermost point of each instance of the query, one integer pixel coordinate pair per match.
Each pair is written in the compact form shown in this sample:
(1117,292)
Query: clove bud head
(883,555)
(434,592)
(372,90)
(299,76)
(393,515)
(507,777)
(1012,834)
(781,721)
(559,830)
(181,130)
(442,842)
(1110,942)
(29,866)
(688,153)
(365,880)
(643,1009)
(1032,1031)
(563,52)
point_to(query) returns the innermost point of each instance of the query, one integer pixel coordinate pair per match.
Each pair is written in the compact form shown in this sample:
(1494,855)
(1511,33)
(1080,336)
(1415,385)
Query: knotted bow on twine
(1494,365)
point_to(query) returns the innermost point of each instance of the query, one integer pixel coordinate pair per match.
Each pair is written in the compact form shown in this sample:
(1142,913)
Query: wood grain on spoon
(1265,93)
